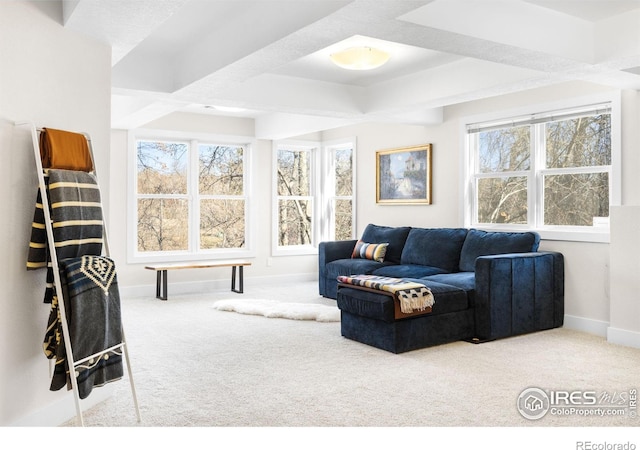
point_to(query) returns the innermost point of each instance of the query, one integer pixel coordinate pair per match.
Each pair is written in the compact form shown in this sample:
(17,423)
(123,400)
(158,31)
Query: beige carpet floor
(195,366)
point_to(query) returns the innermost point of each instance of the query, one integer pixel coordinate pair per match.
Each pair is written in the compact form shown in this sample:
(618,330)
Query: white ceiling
(271,56)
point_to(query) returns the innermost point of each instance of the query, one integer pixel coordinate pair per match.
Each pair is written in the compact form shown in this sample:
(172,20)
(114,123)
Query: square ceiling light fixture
(360,58)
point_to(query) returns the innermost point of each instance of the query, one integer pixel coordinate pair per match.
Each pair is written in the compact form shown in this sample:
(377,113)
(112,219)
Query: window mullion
(194,197)
(325,196)
(514,173)
(577,170)
(328,192)
(538,155)
(317,199)
(472,186)
(318,194)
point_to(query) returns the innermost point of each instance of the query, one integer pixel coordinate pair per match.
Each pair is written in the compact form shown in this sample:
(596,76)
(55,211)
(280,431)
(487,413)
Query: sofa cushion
(394,236)
(351,267)
(462,280)
(370,304)
(407,271)
(481,243)
(436,247)
(369,251)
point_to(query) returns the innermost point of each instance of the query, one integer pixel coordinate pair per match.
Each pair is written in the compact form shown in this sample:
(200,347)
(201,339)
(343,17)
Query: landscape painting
(403,175)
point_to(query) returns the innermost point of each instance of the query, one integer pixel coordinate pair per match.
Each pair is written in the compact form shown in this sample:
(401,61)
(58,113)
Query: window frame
(313,147)
(322,193)
(193,252)
(328,193)
(537,170)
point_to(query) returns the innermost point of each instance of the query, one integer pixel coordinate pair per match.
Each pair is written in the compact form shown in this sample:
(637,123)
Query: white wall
(61,80)
(624,326)
(625,282)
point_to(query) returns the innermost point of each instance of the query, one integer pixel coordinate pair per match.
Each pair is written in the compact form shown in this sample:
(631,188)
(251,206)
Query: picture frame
(403,175)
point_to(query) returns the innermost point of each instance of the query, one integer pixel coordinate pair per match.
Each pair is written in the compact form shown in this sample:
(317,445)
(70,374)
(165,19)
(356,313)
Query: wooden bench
(161,273)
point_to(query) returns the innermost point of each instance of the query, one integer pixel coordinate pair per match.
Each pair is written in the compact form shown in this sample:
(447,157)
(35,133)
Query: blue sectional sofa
(486,285)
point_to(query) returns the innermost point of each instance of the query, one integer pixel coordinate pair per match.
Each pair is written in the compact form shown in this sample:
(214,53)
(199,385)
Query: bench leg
(161,284)
(240,279)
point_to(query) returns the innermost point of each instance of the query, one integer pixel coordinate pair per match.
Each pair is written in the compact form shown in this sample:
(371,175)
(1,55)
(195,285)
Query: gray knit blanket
(92,307)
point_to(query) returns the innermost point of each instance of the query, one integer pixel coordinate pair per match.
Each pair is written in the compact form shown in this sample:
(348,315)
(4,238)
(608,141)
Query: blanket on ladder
(411,295)
(76,215)
(60,149)
(92,307)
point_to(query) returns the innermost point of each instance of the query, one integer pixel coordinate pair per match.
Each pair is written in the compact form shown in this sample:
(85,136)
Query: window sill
(295,251)
(576,234)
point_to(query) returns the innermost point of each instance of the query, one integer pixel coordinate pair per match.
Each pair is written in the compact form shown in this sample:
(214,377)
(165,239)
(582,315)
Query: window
(221,193)
(339,192)
(191,198)
(553,172)
(314,195)
(162,196)
(295,195)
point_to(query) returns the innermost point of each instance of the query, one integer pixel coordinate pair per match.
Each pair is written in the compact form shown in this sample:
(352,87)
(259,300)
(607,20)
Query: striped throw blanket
(411,295)
(76,216)
(92,305)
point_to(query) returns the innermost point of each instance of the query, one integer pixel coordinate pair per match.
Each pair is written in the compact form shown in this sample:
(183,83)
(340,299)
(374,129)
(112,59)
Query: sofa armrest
(518,293)
(331,251)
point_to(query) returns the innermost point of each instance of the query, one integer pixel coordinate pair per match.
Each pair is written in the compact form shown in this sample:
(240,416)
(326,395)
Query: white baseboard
(591,326)
(64,409)
(199,287)
(601,328)
(623,337)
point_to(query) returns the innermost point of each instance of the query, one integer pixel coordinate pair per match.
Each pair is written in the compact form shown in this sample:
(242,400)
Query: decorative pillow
(395,236)
(365,250)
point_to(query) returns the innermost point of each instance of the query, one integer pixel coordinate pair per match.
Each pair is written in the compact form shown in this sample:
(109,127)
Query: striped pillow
(365,250)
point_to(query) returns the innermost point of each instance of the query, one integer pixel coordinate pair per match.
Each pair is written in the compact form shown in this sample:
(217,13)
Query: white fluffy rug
(282,310)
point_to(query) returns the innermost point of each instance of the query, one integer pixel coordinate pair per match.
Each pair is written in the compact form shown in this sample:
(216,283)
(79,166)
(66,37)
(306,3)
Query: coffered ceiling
(271,57)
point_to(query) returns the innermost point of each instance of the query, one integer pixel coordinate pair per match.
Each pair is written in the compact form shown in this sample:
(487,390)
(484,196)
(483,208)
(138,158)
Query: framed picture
(403,175)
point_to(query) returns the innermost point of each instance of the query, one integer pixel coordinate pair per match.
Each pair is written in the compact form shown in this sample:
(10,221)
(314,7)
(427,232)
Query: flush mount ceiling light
(360,58)
(224,108)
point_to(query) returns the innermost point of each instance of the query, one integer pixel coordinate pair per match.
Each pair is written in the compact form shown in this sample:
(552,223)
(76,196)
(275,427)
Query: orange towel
(64,150)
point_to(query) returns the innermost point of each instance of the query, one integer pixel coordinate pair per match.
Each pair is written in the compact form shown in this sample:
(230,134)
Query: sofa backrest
(394,236)
(434,247)
(481,243)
